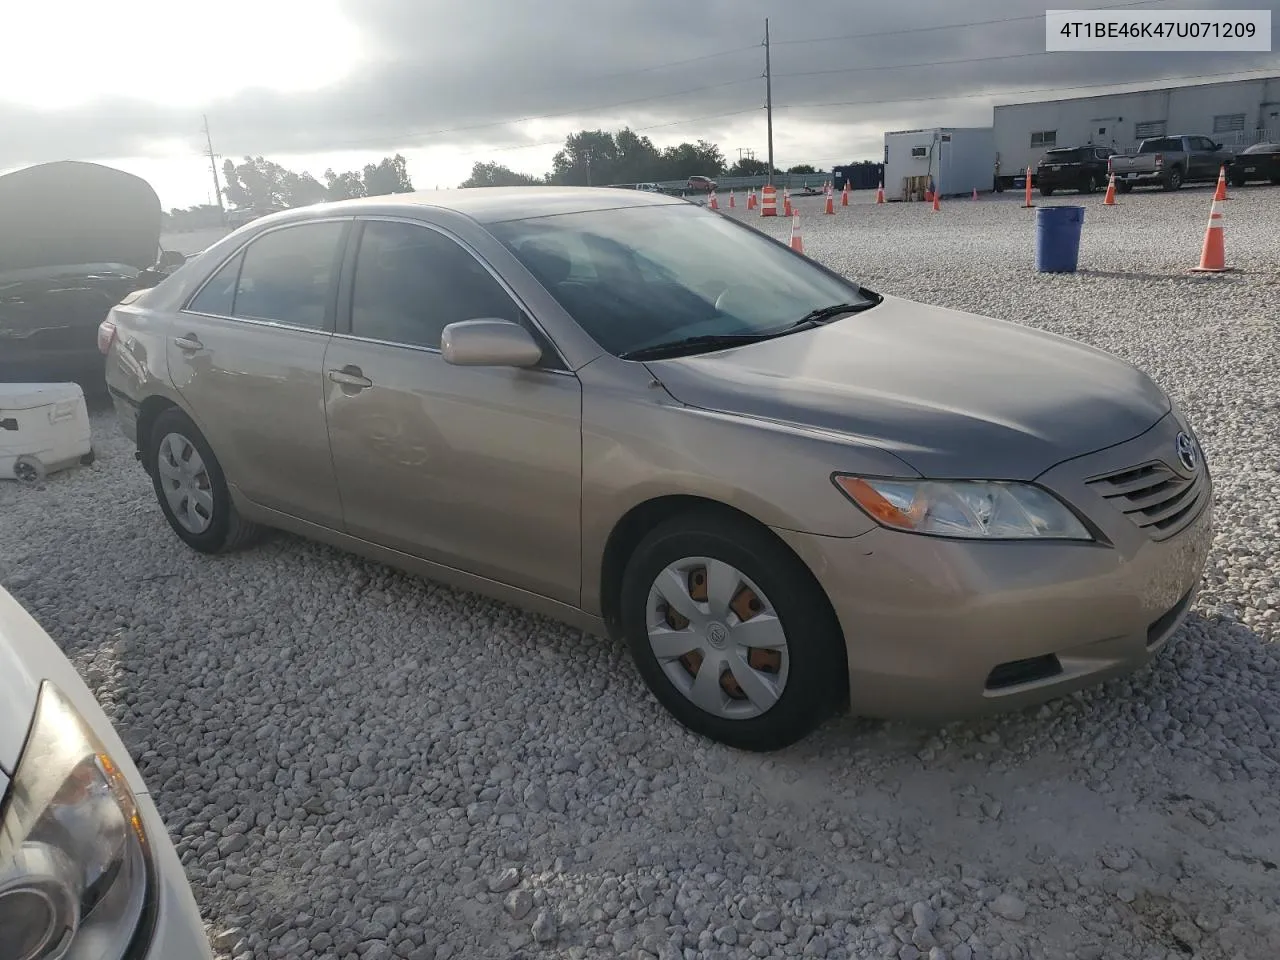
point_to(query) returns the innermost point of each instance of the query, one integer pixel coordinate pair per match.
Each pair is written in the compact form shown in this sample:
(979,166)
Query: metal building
(955,160)
(1235,113)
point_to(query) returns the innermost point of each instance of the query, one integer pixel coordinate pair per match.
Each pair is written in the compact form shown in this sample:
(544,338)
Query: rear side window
(218,296)
(411,282)
(288,275)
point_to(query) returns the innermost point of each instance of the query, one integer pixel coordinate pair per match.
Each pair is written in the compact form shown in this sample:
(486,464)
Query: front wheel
(731,633)
(1091,185)
(1047,191)
(191,488)
(1124,187)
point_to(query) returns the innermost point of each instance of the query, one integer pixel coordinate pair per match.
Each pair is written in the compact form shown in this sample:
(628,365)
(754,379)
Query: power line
(953,26)
(1006,93)
(923,63)
(676,63)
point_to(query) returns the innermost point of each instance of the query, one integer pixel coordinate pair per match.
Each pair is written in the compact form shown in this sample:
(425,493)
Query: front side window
(411,282)
(288,275)
(641,276)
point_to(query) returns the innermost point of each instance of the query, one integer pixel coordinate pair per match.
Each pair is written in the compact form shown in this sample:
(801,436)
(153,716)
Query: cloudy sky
(336,83)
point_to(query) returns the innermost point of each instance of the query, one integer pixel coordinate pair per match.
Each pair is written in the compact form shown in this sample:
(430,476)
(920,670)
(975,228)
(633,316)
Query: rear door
(247,355)
(477,468)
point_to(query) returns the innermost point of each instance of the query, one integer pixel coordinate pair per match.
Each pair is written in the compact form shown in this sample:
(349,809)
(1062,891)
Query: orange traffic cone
(751,199)
(797,244)
(975,193)
(880,193)
(1110,199)
(1221,192)
(831,203)
(732,203)
(786,203)
(713,203)
(1028,204)
(1213,255)
(844,195)
(936,205)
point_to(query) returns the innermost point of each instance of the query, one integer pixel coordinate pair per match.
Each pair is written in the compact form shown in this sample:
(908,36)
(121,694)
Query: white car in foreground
(87,871)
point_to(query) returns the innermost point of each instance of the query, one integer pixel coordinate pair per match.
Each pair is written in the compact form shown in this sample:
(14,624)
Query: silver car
(784,491)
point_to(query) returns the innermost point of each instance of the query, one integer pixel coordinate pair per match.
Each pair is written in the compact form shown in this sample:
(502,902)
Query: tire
(1274,180)
(1124,187)
(1090,186)
(226,530)
(811,671)
(1047,191)
(1174,180)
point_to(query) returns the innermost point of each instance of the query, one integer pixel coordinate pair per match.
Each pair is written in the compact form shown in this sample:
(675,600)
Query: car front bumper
(944,628)
(178,929)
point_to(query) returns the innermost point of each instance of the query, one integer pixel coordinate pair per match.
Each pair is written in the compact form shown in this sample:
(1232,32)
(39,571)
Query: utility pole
(768,96)
(213,168)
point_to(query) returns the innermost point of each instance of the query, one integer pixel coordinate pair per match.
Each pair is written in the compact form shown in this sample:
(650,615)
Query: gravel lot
(352,761)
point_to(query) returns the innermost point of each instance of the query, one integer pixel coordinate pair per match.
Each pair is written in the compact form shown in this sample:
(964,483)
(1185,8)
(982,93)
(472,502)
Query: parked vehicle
(1169,162)
(1258,162)
(705,184)
(75,239)
(785,491)
(1073,168)
(86,865)
(649,187)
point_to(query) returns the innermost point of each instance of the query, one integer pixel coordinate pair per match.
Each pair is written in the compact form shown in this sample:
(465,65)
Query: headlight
(74,860)
(976,509)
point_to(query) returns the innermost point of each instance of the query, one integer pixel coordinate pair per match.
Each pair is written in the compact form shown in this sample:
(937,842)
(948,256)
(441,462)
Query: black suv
(1073,168)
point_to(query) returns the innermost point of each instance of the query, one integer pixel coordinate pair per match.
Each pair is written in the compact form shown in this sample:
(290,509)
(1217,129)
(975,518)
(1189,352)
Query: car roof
(487,204)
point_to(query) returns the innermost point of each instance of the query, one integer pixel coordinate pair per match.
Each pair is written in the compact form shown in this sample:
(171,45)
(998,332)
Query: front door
(247,356)
(477,468)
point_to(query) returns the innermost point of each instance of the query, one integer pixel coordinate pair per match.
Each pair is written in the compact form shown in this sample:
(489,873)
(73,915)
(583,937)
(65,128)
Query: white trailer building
(957,160)
(1235,113)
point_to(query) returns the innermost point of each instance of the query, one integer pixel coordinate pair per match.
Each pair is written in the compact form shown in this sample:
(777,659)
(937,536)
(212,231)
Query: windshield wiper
(674,348)
(833,311)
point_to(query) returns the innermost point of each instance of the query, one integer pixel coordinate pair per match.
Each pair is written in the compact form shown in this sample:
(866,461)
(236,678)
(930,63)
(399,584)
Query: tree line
(600,157)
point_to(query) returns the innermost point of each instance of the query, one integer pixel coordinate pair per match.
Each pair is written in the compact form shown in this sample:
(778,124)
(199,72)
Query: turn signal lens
(975,509)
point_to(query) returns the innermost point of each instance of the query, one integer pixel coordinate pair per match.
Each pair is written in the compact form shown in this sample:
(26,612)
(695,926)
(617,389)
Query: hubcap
(185,481)
(717,638)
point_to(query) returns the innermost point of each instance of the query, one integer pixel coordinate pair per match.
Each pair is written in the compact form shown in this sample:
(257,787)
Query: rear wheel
(191,488)
(1047,191)
(1174,180)
(1091,185)
(1124,187)
(731,633)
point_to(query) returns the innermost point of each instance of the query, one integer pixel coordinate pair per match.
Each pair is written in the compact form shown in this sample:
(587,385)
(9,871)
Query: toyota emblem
(1186,449)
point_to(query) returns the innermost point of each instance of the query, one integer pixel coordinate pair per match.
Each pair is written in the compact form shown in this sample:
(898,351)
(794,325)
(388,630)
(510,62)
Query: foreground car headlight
(977,509)
(74,860)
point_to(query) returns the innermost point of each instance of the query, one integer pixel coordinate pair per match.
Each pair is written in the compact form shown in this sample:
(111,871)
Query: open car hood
(69,212)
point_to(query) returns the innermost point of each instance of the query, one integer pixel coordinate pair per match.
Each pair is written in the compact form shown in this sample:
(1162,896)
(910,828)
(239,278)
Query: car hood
(952,394)
(28,657)
(69,212)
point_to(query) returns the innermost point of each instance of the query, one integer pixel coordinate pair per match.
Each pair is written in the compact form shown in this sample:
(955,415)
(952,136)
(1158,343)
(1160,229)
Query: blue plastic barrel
(1058,238)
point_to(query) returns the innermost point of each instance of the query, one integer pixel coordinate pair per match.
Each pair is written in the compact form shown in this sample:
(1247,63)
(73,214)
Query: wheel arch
(631,528)
(148,412)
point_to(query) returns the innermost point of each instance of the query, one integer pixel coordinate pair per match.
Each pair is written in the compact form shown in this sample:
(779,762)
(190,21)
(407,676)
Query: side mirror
(489,342)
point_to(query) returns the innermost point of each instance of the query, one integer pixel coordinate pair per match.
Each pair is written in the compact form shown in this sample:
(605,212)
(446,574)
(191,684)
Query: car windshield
(641,276)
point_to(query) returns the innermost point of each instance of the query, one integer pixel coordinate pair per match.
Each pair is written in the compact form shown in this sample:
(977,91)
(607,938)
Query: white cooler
(44,427)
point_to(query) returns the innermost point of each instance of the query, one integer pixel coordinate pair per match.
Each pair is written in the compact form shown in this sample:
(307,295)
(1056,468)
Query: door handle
(189,342)
(350,377)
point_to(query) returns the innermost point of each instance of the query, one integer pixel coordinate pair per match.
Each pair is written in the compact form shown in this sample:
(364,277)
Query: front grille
(1154,497)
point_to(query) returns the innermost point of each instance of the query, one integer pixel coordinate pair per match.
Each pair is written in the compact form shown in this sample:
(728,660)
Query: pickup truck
(1169,162)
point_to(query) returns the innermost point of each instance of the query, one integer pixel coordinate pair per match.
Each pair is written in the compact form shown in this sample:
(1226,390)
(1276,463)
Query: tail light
(1159,160)
(106,335)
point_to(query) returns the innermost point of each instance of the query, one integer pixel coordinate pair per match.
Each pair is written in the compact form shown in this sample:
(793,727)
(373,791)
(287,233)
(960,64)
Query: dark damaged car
(75,239)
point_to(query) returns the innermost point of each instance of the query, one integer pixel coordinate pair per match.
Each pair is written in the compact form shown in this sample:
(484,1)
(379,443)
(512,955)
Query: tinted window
(218,296)
(1161,145)
(640,276)
(288,275)
(412,282)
